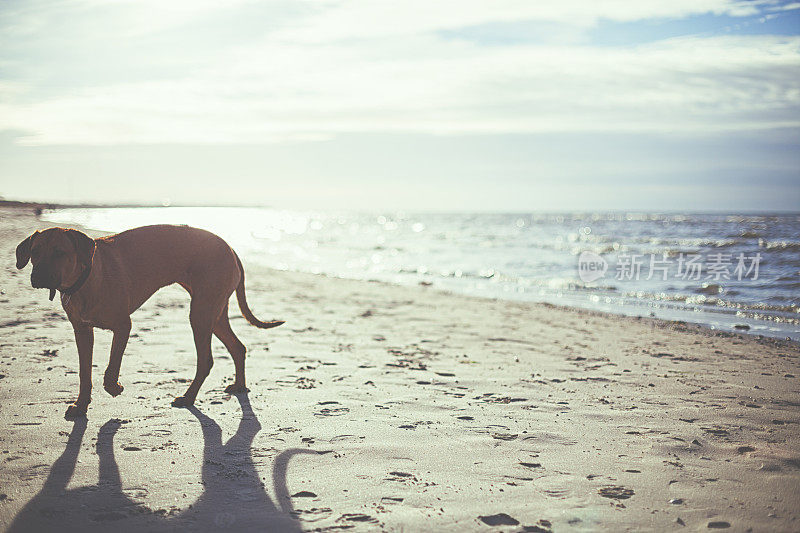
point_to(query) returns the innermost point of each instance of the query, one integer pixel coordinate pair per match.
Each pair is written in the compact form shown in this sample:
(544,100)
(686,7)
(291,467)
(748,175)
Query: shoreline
(713,318)
(381,406)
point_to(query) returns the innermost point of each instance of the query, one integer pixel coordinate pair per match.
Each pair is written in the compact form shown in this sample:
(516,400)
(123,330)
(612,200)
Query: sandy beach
(381,407)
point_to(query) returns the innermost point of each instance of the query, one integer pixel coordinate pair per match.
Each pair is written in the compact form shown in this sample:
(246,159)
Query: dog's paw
(114,389)
(235,388)
(75,411)
(182,401)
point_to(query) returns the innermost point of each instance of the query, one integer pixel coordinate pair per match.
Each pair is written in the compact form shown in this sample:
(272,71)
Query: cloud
(360,19)
(331,68)
(786,7)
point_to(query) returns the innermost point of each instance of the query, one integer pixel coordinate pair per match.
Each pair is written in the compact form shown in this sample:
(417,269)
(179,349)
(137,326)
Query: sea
(732,272)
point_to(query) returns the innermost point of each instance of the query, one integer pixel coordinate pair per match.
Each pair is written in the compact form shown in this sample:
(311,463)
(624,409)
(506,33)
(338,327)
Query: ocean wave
(695,243)
(769,318)
(704,300)
(749,234)
(709,289)
(779,245)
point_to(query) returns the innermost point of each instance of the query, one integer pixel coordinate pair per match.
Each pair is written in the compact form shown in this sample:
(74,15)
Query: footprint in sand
(545,437)
(357,517)
(616,492)
(401,476)
(312,515)
(332,411)
(32,472)
(718,525)
(136,493)
(337,438)
(499,519)
(556,493)
(542,526)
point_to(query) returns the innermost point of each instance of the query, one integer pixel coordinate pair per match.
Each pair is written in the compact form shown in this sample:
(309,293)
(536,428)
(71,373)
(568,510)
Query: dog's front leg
(84,338)
(118,344)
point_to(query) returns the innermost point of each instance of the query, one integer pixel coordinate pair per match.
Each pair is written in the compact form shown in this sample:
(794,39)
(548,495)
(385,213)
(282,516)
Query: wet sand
(397,408)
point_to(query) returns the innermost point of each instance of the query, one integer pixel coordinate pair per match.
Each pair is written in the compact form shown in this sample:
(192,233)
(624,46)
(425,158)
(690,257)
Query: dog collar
(75,287)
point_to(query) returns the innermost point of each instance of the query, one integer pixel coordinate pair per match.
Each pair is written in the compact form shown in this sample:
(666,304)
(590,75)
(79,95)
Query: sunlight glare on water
(245,229)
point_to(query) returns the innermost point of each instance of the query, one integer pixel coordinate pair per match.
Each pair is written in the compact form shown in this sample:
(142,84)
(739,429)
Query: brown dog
(103,281)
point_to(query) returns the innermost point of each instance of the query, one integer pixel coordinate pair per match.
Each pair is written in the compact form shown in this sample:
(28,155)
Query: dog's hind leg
(223,331)
(203,314)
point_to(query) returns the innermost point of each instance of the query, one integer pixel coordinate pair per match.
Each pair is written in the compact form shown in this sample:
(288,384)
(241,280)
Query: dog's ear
(24,250)
(84,246)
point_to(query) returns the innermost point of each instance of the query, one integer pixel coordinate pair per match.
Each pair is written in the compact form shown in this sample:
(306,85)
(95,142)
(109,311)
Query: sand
(380,407)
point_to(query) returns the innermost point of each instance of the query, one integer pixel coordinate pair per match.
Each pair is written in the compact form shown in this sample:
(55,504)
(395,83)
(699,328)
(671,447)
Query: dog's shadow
(234,498)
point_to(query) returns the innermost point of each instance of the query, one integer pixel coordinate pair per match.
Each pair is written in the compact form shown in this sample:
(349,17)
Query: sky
(686,105)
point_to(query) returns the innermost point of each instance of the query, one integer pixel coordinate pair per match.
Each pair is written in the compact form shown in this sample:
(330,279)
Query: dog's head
(58,256)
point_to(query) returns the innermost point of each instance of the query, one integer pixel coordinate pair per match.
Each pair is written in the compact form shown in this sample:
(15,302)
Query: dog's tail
(242,299)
